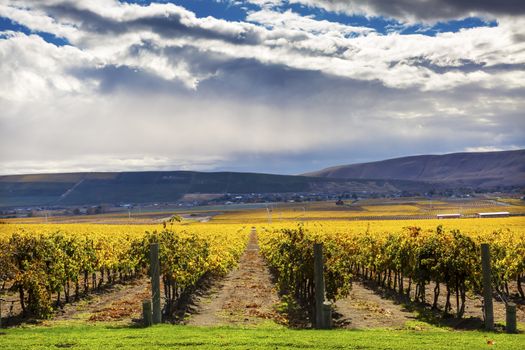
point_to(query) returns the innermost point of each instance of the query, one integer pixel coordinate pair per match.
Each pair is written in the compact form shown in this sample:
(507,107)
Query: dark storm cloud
(428,9)
(199,62)
(463,65)
(113,79)
(167,26)
(87,20)
(448,8)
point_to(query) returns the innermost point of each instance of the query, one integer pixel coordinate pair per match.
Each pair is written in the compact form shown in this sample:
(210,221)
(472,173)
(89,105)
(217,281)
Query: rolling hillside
(412,174)
(480,170)
(170,186)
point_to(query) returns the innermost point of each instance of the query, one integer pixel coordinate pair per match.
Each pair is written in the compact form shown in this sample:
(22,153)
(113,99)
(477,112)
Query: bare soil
(473,317)
(120,302)
(246,296)
(364,308)
(369,306)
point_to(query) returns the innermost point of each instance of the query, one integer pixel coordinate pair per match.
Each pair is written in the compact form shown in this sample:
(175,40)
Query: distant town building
(495,214)
(448,216)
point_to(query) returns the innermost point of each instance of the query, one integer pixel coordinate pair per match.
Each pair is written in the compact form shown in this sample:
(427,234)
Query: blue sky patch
(386,25)
(238,10)
(450,26)
(8,24)
(227,10)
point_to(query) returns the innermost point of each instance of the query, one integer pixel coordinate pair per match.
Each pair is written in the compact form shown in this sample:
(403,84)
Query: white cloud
(155,87)
(490,149)
(38,20)
(292,21)
(33,69)
(288,39)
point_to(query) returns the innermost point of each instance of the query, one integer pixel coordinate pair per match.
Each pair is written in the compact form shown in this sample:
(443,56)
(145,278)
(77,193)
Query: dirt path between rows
(121,302)
(364,308)
(246,296)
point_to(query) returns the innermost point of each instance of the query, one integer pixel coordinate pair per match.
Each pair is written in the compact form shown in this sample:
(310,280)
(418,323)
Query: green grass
(112,336)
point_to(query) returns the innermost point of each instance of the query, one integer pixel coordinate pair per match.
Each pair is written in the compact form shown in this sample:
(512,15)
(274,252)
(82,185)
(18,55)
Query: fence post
(487,287)
(511,318)
(327,315)
(155,281)
(146,312)
(319,283)
(321,313)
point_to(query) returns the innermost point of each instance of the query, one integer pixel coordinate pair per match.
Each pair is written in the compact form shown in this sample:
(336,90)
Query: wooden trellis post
(510,326)
(323,310)
(487,287)
(155,282)
(146,313)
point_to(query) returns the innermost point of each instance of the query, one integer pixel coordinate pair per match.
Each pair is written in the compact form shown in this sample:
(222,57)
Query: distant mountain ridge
(472,169)
(416,174)
(170,186)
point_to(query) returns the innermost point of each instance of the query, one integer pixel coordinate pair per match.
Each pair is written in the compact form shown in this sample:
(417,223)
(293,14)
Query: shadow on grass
(17,320)
(135,324)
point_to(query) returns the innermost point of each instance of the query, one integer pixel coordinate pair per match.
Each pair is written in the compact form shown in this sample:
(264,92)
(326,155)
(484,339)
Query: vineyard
(407,260)
(50,264)
(263,273)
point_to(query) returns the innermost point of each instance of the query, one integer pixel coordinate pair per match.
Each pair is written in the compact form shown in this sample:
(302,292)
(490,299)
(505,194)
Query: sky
(269,86)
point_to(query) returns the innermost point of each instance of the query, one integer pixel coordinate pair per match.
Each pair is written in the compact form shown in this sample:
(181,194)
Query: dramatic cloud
(421,10)
(157,86)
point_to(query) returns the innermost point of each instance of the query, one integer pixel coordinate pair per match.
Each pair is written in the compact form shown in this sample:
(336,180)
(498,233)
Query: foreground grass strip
(107,337)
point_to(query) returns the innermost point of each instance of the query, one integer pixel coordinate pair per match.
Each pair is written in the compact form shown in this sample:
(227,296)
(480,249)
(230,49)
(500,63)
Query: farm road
(246,296)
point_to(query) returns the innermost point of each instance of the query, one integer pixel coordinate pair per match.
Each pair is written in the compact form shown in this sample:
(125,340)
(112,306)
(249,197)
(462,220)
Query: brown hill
(480,169)
(170,186)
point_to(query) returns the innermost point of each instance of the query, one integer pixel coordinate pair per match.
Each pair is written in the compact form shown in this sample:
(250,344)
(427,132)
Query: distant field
(257,213)
(370,210)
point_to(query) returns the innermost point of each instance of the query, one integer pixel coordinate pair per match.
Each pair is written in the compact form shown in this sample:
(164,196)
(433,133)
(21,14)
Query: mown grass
(113,336)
